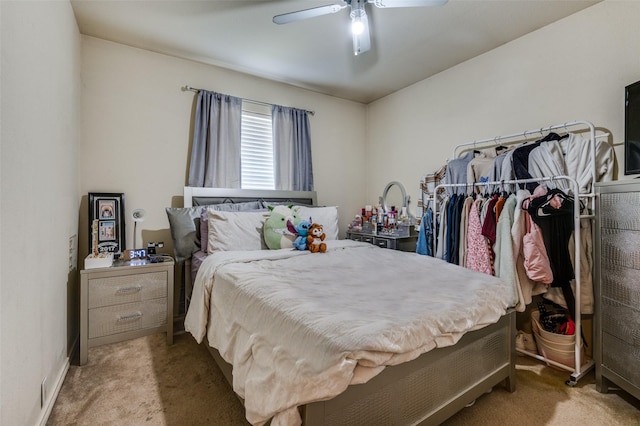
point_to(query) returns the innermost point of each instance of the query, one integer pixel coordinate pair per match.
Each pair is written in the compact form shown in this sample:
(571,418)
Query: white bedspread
(300,327)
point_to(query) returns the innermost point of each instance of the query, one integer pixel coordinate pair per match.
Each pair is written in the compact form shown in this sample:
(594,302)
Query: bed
(356,335)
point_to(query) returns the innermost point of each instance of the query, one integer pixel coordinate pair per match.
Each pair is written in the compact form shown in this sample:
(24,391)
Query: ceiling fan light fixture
(359,21)
(357,26)
(358,17)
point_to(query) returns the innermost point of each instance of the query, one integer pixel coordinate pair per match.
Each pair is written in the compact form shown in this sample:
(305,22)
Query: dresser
(125,301)
(385,241)
(617,286)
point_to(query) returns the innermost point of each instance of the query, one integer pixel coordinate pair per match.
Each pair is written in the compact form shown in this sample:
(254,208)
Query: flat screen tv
(632,129)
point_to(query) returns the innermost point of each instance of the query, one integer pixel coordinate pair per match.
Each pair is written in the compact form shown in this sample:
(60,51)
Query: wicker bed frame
(427,390)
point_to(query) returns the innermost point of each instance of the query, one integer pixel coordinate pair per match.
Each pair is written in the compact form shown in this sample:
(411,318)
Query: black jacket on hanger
(557,225)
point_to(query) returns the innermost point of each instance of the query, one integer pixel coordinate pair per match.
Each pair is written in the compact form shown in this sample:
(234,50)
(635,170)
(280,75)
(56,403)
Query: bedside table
(125,301)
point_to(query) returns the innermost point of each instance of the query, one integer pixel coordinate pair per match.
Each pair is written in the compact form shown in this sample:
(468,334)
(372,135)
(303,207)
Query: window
(256,148)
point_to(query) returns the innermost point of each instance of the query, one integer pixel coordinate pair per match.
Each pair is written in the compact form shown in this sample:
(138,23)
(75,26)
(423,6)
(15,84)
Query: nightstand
(125,301)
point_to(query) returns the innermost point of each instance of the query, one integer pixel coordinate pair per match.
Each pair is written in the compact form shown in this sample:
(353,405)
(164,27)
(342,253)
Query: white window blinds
(257,151)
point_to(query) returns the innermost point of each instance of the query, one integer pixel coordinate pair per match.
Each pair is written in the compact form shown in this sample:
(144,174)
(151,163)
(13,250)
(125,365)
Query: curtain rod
(192,89)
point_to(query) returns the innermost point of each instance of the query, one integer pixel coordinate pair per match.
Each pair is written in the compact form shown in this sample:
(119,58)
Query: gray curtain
(292,149)
(215,154)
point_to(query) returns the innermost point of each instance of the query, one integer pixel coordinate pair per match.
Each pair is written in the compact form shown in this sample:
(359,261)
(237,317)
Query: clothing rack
(580,368)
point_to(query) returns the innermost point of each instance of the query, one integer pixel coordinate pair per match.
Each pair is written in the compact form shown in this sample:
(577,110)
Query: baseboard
(51,399)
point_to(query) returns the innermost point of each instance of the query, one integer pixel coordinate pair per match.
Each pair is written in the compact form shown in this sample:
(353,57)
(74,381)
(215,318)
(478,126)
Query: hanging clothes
(505,262)
(451,226)
(457,173)
(424,244)
(480,167)
(528,287)
(454,223)
(464,229)
(428,187)
(506,172)
(489,223)
(578,155)
(553,213)
(496,172)
(548,160)
(520,162)
(498,207)
(441,246)
(586,266)
(478,257)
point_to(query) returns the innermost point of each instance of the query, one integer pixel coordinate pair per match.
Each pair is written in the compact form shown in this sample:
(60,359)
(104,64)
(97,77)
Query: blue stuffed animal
(301,230)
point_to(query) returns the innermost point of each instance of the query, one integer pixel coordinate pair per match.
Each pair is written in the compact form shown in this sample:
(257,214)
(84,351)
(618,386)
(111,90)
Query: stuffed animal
(301,230)
(276,230)
(315,239)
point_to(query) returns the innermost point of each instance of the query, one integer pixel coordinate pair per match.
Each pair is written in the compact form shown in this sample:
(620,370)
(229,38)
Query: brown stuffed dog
(315,239)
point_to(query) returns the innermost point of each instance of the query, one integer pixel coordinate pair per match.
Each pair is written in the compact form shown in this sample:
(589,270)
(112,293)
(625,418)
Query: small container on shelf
(100,260)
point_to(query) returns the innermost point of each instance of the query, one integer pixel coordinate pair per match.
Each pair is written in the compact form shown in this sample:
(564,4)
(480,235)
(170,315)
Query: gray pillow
(204,217)
(185,225)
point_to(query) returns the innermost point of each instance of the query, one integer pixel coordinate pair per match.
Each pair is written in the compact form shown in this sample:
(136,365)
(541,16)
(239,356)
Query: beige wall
(575,69)
(136,131)
(39,208)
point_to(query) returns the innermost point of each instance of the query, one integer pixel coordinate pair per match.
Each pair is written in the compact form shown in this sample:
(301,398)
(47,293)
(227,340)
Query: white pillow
(325,216)
(240,230)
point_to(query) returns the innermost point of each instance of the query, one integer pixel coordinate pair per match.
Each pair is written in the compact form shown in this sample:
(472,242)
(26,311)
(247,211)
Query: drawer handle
(130,317)
(125,290)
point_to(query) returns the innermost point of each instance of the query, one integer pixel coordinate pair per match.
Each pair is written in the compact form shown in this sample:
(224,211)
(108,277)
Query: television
(632,129)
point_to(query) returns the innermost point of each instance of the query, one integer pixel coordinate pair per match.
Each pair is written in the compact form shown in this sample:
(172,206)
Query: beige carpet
(145,382)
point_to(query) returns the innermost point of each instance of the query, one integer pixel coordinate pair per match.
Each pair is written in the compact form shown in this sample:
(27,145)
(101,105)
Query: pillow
(240,230)
(184,224)
(325,216)
(276,230)
(204,223)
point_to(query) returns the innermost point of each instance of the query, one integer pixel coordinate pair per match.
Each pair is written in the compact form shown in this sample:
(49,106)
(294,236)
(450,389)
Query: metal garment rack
(580,368)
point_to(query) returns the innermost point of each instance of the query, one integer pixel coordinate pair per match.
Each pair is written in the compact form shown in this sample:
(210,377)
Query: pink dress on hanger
(478,257)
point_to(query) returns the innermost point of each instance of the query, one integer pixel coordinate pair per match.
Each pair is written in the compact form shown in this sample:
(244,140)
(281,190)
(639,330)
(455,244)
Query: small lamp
(137,215)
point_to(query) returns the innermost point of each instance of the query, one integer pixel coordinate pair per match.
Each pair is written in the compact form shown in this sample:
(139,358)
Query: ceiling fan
(359,21)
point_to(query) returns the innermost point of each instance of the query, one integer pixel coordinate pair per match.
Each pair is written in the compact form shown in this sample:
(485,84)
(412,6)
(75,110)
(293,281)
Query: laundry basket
(553,346)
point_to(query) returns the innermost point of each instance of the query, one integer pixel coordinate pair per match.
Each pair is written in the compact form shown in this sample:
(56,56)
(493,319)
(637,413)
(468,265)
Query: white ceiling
(408,44)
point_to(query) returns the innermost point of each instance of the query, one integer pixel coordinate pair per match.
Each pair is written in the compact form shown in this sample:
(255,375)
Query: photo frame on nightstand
(106,210)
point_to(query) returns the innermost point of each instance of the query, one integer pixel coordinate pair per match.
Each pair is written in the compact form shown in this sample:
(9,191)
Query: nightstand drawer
(115,319)
(116,290)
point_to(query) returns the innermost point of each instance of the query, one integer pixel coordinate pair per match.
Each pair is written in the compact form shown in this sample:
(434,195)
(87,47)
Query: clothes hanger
(551,137)
(503,192)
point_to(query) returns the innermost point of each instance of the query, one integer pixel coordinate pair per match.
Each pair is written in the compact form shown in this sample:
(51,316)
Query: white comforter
(300,327)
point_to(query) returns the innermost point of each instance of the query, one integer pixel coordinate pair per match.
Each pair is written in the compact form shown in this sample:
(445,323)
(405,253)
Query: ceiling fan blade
(285,18)
(362,41)
(406,3)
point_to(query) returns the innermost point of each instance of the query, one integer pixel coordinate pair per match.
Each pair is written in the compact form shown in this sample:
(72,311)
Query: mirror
(394,195)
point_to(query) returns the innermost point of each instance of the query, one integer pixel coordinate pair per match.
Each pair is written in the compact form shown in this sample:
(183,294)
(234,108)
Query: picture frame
(106,210)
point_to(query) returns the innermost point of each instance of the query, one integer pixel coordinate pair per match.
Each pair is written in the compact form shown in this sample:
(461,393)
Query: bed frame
(427,390)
